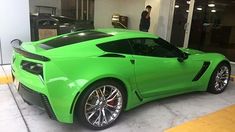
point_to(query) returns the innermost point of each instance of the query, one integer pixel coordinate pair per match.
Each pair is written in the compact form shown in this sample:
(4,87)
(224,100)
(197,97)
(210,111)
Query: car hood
(191,51)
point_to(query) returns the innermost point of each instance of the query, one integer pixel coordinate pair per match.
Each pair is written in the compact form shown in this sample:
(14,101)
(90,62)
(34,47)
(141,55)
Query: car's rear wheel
(101,104)
(219,79)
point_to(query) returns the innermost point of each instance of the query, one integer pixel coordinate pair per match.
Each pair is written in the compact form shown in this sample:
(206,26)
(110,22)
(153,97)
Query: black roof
(73,38)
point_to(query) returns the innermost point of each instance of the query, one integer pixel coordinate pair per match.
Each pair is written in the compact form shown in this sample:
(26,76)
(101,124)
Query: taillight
(32,67)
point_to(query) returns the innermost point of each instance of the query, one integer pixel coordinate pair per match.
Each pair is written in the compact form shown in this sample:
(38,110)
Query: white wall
(104,9)
(14,24)
(154,14)
(161,9)
(160,16)
(53,3)
(163,22)
(132,9)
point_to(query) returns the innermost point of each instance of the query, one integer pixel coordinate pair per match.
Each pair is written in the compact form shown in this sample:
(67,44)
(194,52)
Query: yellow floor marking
(220,121)
(232,77)
(6,79)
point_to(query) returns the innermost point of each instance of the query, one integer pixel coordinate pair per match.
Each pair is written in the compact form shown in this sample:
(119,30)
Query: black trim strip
(202,71)
(137,94)
(113,55)
(33,97)
(74,102)
(17,49)
(48,107)
(13,77)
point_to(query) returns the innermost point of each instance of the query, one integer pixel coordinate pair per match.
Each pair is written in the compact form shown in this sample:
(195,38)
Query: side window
(173,51)
(121,46)
(154,47)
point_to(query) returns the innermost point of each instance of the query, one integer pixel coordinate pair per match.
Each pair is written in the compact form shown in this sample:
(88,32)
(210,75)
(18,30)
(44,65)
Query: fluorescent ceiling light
(177,6)
(187,10)
(199,8)
(188,2)
(113,33)
(213,10)
(211,5)
(36,14)
(81,34)
(115,19)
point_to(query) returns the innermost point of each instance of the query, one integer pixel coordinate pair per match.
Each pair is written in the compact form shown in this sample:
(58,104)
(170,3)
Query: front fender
(215,59)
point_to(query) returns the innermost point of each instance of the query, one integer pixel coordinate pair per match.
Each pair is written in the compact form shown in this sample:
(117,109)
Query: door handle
(132,61)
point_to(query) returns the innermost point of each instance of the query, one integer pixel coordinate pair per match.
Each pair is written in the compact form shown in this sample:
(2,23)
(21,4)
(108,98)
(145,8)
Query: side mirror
(16,42)
(182,57)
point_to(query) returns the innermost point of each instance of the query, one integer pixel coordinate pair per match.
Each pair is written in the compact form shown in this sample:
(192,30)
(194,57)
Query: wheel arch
(215,67)
(79,94)
(227,62)
(220,62)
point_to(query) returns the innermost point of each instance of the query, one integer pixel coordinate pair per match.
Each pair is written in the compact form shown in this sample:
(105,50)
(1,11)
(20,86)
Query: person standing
(145,19)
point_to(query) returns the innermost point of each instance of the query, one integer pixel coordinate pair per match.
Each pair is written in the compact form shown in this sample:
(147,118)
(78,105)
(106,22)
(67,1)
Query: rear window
(120,46)
(73,38)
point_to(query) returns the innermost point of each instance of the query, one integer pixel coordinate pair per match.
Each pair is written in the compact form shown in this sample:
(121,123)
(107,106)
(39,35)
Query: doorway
(205,25)
(181,22)
(78,9)
(213,27)
(85,10)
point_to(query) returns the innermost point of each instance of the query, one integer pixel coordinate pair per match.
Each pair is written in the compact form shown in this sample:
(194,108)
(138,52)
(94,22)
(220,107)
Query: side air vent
(48,108)
(202,71)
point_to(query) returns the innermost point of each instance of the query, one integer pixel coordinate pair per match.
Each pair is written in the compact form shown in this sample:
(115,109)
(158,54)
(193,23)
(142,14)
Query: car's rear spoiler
(16,46)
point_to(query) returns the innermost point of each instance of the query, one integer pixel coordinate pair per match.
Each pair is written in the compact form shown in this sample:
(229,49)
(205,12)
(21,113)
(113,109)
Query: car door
(158,69)
(118,53)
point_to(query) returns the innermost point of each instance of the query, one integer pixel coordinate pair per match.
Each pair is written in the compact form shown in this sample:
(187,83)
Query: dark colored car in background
(45,25)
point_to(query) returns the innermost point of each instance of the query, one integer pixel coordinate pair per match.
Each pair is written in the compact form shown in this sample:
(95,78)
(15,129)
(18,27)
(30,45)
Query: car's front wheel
(219,79)
(101,104)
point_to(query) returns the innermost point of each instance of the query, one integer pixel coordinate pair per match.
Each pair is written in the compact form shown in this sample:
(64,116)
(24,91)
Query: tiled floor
(155,116)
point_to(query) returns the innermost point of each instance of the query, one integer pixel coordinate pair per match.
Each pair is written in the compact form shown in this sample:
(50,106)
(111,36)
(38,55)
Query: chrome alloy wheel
(222,78)
(103,105)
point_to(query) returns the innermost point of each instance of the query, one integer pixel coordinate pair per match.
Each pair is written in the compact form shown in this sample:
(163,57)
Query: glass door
(68,8)
(85,10)
(213,27)
(181,22)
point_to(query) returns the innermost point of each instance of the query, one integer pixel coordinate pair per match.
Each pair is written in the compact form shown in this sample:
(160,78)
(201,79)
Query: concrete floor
(156,116)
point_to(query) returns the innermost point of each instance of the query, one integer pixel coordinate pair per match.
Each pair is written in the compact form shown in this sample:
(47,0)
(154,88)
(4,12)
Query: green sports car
(94,75)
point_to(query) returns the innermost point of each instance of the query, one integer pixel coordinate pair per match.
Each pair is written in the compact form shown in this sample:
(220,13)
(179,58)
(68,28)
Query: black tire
(215,86)
(94,104)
